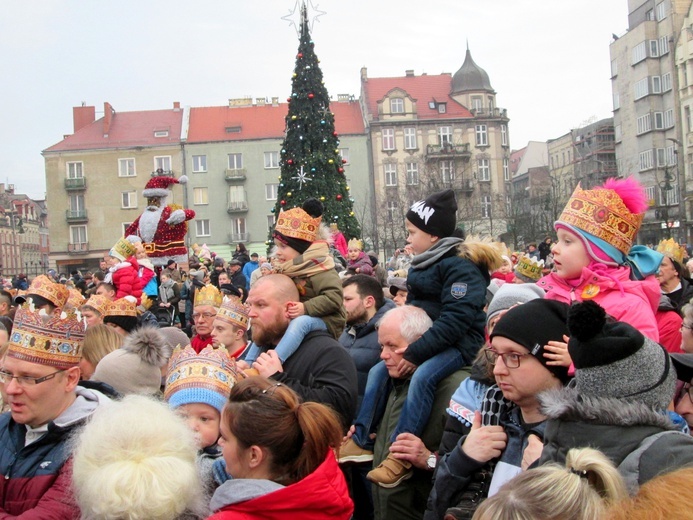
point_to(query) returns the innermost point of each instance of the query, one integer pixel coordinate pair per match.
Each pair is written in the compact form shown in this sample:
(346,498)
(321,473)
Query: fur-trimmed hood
(566,405)
(482,251)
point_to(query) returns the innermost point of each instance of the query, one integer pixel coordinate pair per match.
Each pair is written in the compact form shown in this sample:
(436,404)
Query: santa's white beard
(149,221)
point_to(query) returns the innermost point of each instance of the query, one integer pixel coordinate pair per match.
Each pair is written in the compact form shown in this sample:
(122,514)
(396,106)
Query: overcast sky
(548,60)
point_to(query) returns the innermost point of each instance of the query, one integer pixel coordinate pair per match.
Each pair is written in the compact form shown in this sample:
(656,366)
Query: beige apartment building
(684,65)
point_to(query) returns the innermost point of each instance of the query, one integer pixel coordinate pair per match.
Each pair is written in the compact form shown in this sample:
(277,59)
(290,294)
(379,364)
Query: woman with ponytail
(582,490)
(279,452)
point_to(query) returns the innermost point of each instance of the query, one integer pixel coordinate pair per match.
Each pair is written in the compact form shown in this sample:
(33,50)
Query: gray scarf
(166,291)
(432,255)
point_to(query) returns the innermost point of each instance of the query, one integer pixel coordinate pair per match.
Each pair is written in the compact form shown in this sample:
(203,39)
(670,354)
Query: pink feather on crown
(631,193)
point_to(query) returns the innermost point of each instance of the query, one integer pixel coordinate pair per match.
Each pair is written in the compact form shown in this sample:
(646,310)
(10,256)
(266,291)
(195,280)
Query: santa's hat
(159,186)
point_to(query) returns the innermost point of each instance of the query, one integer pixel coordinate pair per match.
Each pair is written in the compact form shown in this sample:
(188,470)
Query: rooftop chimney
(107,117)
(83,116)
(409,73)
(176,106)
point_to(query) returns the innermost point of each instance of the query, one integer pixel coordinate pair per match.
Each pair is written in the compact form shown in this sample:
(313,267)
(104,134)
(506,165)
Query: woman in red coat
(279,452)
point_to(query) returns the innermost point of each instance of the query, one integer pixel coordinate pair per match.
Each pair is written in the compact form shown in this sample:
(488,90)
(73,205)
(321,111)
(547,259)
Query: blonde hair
(100,340)
(135,460)
(581,490)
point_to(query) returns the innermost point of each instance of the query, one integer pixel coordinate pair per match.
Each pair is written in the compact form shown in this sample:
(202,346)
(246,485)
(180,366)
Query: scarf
(166,291)
(315,260)
(438,250)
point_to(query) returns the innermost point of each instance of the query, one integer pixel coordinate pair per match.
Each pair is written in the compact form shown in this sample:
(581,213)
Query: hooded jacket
(322,495)
(35,479)
(125,277)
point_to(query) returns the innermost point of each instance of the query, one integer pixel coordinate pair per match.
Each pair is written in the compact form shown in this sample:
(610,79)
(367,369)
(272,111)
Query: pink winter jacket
(634,302)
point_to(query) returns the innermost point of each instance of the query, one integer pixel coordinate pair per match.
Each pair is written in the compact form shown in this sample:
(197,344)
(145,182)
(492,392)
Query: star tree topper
(294,16)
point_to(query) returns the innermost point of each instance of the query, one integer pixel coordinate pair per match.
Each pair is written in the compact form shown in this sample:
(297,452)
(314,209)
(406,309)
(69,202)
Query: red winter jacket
(126,280)
(322,495)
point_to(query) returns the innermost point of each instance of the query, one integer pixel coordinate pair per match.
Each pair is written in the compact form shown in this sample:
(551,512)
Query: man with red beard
(320,370)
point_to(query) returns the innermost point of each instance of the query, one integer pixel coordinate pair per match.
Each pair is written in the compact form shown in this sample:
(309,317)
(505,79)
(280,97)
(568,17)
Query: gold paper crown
(671,249)
(355,243)
(233,311)
(602,213)
(210,370)
(208,295)
(74,300)
(529,267)
(123,249)
(56,293)
(296,223)
(53,340)
(121,307)
(98,303)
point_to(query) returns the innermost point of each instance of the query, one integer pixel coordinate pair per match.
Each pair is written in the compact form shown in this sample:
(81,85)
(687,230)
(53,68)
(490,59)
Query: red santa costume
(161,227)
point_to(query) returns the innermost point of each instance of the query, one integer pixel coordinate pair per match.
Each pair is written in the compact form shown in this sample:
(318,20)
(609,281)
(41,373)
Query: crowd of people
(455,380)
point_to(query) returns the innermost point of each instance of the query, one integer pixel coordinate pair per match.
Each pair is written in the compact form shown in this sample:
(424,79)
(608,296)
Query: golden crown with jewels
(56,293)
(208,295)
(296,223)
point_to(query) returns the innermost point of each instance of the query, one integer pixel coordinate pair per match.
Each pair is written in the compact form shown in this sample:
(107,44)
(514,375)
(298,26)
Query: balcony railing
(79,183)
(448,151)
(78,249)
(489,112)
(465,186)
(234,238)
(76,215)
(237,206)
(235,175)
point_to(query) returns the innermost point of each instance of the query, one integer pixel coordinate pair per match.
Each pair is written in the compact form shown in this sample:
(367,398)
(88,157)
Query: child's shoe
(352,452)
(391,472)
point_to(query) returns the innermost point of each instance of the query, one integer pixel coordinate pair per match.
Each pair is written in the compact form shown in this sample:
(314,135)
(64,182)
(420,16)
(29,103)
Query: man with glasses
(507,433)
(683,402)
(208,299)
(39,379)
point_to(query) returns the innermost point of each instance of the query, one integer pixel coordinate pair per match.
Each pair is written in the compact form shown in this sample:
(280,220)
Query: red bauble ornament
(311,95)
(344,161)
(300,55)
(339,197)
(340,170)
(282,202)
(288,100)
(289,161)
(334,134)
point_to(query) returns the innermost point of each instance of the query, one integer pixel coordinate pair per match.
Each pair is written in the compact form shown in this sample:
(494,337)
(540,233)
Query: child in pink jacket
(595,259)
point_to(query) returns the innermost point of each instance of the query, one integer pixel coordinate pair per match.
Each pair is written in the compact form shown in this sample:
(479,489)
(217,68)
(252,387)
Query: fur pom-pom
(631,192)
(183,179)
(586,320)
(149,345)
(313,207)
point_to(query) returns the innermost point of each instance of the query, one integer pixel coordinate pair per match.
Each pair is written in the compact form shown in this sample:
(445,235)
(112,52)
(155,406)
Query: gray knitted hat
(510,294)
(613,359)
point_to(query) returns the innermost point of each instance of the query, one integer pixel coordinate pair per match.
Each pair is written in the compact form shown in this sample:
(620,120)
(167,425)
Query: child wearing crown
(197,388)
(308,262)
(358,261)
(123,270)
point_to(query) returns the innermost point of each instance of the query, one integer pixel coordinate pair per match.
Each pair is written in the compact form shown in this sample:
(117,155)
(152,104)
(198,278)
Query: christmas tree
(311,165)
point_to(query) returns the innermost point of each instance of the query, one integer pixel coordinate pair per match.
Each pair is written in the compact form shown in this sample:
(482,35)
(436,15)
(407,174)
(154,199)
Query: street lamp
(666,186)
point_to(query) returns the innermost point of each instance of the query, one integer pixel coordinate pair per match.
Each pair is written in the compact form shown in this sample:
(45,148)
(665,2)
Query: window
(412,174)
(410,139)
(271,191)
(641,88)
(649,15)
(506,169)
(126,168)
(650,193)
(669,118)
(484,170)
(477,102)
(656,85)
(669,197)
(271,221)
(661,157)
(481,135)
(237,197)
(504,135)
(614,68)
(76,203)
(618,133)
(617,101)
(124,226)
(388,138)
(671,156)
(200,196)
(238,226)
(161,133)
(163,163)
(128,199)
(271,160)
(397,106)
(445,135)
(486,206)
(447,171)
(202,227)
(442,108)
(660,12)
(199,163)
(645,160)
(78,235)
(391,210)
(666,82)
(344,153)
(75,170)
(390,170)
(684,74)
(663,45)
(687,115)
(644,124)
(639,52)
(235,161)
(654,49)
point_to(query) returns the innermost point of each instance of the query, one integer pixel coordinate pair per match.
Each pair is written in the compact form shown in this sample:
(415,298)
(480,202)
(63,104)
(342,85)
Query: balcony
(448,151)
(234,238)
(80,183)
(237,206)
(236,175)
(465,186)
(80,248)
(79,215)
(489,112)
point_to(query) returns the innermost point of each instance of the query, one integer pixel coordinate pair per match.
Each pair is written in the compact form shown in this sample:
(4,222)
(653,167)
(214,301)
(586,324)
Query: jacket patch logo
(458,290)
(45,464)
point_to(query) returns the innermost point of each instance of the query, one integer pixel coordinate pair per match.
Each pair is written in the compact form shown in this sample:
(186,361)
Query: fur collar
(565,404)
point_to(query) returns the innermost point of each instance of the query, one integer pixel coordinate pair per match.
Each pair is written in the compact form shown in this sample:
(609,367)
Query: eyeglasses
(510,359)
(684,325)
(686,389)
(205,315)
(6,377)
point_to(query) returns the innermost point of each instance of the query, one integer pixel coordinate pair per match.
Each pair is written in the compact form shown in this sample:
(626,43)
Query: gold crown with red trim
(121,307)
(296,223)
(123,249)
(206,377)
(98,303)
(355,243)
(208,295)
(602,213)
(233,311)
(54,340)
(529,267)
(56,293)
(75,299)
(672,249)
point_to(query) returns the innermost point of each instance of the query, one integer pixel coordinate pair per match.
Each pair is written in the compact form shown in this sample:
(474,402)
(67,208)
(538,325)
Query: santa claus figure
(162,227)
